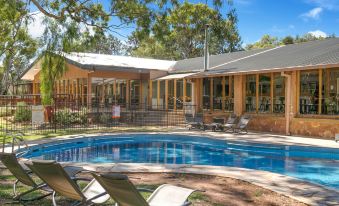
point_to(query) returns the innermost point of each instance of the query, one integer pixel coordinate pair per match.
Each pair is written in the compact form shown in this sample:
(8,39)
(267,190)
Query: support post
(211,94)
(257,93)
(223,91)
(166,94)
(175,95)
(288,103)
(320,90)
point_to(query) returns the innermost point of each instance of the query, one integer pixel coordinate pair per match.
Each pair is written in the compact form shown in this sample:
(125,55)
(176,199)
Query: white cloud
(318,33)
(35,26)
(326,4)
(312,14)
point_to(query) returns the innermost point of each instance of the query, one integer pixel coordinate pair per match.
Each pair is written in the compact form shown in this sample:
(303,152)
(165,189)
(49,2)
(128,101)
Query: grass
(6,192)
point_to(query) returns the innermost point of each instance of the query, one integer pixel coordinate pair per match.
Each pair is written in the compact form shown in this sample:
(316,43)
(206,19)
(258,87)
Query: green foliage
(6,111)
(268,41)
(105,118)
(288,40)
(22,113)
(179,33)
(67,116)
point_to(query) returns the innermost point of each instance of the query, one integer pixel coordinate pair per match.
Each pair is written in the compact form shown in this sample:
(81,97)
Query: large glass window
(217,93)
(162,94)
(250,100)
(309,92)
(330,92)
(278,93)
(135,92)
(180,93)
(264,93)
(229,94)
(121,92)
(171,97)
(188,97)
(206,84)
(154,94)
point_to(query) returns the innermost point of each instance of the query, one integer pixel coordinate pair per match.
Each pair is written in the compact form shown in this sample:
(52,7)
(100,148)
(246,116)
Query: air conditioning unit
(336,138)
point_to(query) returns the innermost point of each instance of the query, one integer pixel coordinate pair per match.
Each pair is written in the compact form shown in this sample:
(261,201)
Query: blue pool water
(318,165)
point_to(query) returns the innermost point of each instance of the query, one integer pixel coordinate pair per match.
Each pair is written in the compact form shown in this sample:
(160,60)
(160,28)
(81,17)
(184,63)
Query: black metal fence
(69,115)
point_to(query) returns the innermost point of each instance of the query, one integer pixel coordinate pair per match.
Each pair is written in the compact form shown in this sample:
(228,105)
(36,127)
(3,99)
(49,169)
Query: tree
(288,40)
(181,32)
(102,44)
(266,41)
(16,46)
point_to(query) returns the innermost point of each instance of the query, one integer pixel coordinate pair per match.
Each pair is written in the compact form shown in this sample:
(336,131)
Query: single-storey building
(291,89)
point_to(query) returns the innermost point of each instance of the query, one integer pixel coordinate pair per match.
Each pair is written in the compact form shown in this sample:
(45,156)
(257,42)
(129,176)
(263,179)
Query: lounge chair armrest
(81,179)
(144,190)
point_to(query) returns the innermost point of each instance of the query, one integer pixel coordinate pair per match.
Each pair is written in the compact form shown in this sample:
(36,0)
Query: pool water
(317,165)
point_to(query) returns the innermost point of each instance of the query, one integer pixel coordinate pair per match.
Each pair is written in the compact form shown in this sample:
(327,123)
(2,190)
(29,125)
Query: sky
(258,17)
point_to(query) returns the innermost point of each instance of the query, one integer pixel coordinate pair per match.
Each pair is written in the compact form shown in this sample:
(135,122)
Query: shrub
(105,118)
(6,111)
(22,112)
(67,116)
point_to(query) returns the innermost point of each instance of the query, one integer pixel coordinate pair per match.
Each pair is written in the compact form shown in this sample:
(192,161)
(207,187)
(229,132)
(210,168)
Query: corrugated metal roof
(313,53)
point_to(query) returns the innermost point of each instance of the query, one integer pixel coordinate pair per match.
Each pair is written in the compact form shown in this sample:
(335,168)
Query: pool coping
(303,191)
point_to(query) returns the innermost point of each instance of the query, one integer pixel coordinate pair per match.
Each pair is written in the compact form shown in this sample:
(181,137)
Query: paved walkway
(303,191)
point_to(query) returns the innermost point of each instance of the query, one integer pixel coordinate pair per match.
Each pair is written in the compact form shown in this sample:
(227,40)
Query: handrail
(17,138)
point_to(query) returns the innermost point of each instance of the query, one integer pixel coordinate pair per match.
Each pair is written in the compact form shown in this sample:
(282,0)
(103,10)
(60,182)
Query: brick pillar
(238,94)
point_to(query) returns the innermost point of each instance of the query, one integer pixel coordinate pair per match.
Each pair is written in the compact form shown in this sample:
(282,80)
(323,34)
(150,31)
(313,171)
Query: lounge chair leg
(14,188)
(53,198)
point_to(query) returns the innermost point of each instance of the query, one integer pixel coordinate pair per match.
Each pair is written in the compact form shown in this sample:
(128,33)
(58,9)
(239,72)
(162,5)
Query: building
(291,89)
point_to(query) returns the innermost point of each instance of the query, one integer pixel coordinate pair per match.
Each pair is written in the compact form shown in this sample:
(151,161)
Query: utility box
(336,138)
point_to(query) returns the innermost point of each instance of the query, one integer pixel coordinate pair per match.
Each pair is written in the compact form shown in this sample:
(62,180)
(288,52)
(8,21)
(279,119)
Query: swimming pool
(317,165)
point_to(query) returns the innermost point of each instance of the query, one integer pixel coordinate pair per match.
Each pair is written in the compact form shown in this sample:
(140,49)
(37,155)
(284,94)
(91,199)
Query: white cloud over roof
(318,33)
(119,61)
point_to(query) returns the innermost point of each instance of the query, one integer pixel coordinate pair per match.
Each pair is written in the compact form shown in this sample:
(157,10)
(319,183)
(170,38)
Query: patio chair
(217,124)
(195,122)
(242,124)
(230,123)
(23,175)
(125,193)
(57,179)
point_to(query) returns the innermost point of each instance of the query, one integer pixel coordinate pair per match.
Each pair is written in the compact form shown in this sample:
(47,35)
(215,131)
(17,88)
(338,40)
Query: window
(171,97)
(154,94)
(217,93)
(188,91)
(229,94)
(180,93)
(162,95)
(121,92)
(330,92)
(250,100)
(206,85)
(264,93)
(278,93)
(309,92)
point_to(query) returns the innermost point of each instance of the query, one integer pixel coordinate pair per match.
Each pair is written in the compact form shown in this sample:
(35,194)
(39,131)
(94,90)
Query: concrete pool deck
(309,193)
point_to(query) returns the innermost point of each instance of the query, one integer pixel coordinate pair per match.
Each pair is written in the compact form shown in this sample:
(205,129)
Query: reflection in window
(330,92)
(180,93)
(309,92)
(217,93)
(278,93)
(264,93)
(250,93)
(206,86)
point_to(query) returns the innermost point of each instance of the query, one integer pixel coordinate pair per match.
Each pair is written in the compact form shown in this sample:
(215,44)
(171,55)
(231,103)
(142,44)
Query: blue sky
(276,17)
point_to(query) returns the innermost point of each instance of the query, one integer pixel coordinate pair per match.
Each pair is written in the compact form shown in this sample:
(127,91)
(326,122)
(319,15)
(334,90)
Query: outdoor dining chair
(54,175)
(124,193)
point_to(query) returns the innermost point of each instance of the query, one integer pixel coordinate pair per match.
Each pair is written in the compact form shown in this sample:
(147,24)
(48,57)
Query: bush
(6,111)
(67,116)
(105,118)
(22,112)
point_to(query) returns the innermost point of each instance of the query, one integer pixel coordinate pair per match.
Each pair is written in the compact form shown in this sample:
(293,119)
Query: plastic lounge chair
(125,193)
(22,174)
(56,178)
(194,122)
(242,124)
(217,124)
(230,123)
